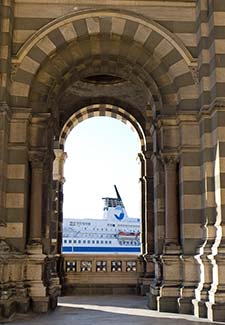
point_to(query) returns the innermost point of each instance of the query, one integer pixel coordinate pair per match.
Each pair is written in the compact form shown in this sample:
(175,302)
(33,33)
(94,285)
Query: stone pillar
(159,229)
(58,179)
(35,231)
(143,196)
(171,200)
(4,135)
(147,220)
(149,216)
(171,264)
(216,295)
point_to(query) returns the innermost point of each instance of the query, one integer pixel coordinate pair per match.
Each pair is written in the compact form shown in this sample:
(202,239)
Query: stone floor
(105,310)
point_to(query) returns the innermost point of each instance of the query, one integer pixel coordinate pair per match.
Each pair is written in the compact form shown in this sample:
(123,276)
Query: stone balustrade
(105,274)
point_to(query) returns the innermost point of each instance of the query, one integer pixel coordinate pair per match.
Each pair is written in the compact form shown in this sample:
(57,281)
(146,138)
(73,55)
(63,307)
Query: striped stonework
(159,204)
(17,177)
(30,17)
(102,110)
(211,26)
(6,29)
(190,193)
(147,46)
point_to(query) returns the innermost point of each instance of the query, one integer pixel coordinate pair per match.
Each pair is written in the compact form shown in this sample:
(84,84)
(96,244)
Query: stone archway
(158,89)
(146,176)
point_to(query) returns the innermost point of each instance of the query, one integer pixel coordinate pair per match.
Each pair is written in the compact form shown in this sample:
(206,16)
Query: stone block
(216,312)
(167,304)
(152,301)
(40,304)
(16,171)
(23,305)
(186,306)
(8,308)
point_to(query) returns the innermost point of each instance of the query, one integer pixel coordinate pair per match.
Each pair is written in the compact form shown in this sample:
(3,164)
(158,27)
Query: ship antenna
(117,193)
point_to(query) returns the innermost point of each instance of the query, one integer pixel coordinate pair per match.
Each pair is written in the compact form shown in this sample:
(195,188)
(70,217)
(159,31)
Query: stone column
(35,231)
(5,115)
(159,206)
(149,215)
(171,200)
(147,220)
(171,264)
(58,179)
(143,199)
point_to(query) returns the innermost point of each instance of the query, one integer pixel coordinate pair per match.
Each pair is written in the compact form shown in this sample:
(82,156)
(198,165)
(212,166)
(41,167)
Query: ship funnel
(117,193)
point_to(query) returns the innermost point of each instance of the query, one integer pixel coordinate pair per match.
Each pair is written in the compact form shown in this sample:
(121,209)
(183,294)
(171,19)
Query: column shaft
(36,204)
(37,164)
(171,220)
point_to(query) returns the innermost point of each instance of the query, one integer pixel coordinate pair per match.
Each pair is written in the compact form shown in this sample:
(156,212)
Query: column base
(186,306)
(216,312)
(167,304)
(35,248)
(23,305)
(145,286)
(200,309)
(40,304)
(152,297)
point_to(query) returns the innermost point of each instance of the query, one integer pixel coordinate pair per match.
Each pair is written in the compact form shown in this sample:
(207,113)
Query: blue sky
(102,151)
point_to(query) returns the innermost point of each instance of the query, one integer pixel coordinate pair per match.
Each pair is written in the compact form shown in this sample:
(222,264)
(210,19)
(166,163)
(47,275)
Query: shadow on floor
(105,310)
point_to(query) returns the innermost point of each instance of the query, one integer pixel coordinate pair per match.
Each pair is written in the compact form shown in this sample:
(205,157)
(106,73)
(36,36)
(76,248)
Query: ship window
(79,241)
(106,242)
(65,241)
(74,241)
(93,241)
(110,242)
(97,241)
(88,241)
(102,241)
(84,241)
(70,241)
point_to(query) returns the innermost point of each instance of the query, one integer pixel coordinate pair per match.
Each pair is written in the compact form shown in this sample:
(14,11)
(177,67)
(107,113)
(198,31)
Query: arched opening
(102,151)
(128,243)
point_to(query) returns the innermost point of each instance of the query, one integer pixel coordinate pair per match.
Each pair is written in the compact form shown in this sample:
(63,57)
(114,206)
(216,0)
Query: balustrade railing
(101,271)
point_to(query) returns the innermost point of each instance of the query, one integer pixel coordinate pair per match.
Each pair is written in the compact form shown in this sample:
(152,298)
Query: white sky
(102,151)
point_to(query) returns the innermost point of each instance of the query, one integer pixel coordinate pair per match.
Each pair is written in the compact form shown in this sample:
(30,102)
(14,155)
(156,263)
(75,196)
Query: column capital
(169,158)
(37,159)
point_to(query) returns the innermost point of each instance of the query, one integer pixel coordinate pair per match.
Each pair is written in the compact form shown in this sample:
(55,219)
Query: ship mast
(117,193)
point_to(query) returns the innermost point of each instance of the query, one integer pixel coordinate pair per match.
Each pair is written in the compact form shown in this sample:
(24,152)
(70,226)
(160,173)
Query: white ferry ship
(114,233)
